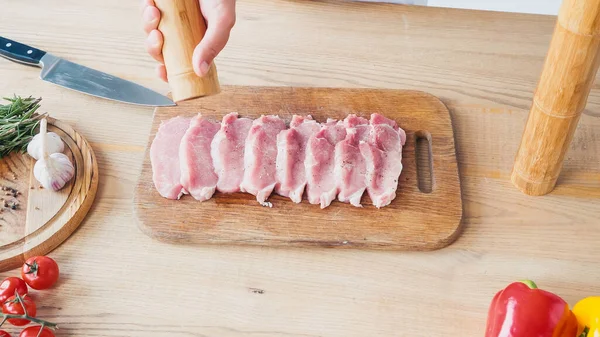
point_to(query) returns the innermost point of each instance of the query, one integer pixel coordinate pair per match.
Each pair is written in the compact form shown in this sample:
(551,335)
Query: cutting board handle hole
(424,161)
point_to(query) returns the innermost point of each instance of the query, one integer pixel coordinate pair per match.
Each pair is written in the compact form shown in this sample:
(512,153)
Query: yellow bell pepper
(587,312)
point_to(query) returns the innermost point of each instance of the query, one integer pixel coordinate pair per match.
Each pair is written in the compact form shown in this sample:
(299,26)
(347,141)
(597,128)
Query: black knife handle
(19,52)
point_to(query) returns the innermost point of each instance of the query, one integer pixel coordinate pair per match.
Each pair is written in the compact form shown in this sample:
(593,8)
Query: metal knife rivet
(9,44)
(29,51)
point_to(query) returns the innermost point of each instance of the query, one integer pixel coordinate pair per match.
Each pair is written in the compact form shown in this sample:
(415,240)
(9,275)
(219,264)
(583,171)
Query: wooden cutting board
(415,220)
(44,218)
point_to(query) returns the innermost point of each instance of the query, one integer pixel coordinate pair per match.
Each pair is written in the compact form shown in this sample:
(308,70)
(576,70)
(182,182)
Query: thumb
(215,39)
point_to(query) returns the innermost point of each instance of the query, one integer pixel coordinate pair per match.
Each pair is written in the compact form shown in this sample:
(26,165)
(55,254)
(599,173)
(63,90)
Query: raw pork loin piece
(260,157)
(291,153)
(377,119)
(164,157)
(350,166)
(227,152)
(198,175)
(383,156)
(321,187)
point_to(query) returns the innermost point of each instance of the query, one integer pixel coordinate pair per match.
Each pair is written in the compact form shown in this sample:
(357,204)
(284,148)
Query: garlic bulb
(53,142)
(55,170)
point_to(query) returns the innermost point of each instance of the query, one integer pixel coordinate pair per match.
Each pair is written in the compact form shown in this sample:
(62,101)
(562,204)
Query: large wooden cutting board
(415,220)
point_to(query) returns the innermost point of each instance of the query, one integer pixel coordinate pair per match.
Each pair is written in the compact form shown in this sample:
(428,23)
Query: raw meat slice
(350,166)
(198,175)
(383,156)
(321,187)
(227,152)
(352,121)
(164,157)
(380,119)
(377,119)
(291,153)
(260,157)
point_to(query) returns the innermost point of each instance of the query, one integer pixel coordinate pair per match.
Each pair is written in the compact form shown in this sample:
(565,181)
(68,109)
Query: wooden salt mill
(560,97)
(183,26)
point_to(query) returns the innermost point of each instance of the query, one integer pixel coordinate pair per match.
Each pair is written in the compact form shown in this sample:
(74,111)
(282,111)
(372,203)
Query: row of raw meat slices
(340,159)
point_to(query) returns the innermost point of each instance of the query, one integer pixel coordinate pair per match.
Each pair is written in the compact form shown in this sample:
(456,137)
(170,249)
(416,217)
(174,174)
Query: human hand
(220,19)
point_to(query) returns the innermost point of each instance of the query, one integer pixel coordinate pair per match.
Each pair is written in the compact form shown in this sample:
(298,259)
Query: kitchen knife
(80,78)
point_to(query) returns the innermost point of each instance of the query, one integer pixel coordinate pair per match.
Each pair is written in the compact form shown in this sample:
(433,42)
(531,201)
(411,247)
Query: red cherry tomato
(13,307)
(4,333)
(33,331)
(8,287)
(40,272)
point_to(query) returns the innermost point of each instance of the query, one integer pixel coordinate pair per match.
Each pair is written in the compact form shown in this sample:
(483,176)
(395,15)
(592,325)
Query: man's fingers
(154,44)
(154,40)
(220,17)
(145,3)
(161,71)
(151,18)
(215,39)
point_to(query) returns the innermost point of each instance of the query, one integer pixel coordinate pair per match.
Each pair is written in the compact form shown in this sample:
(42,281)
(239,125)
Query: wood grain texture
(45,218)
(484,66)
(413,221)
(183,27)
(560,97)
(14,173)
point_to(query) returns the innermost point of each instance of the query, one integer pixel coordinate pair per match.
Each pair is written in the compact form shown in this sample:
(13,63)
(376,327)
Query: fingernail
(203,68)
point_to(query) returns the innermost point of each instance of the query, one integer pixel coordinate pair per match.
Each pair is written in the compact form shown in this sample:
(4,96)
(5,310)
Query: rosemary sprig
(18,122)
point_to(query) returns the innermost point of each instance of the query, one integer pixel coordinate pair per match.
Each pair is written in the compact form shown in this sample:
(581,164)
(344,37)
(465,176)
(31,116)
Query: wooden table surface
(483,65)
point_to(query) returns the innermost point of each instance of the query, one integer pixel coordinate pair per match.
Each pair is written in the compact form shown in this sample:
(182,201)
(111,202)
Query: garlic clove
(54,171)
(53,142)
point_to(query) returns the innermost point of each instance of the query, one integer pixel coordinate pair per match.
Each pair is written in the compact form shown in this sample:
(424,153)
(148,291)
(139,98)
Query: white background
(522,6)
(548,7)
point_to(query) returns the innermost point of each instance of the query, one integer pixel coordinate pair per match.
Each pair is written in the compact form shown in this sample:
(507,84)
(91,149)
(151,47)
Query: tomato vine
(43,323)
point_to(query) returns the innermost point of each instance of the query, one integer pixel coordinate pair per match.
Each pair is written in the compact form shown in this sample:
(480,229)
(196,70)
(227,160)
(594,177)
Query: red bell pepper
(523,310)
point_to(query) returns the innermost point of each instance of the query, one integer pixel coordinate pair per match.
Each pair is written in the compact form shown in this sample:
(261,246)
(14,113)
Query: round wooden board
(44,218)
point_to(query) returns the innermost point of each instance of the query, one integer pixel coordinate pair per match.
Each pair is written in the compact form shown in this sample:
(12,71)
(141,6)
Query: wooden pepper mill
(560,98)
(183,27)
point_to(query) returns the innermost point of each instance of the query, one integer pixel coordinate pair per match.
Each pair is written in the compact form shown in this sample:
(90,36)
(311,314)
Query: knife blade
(80,78)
